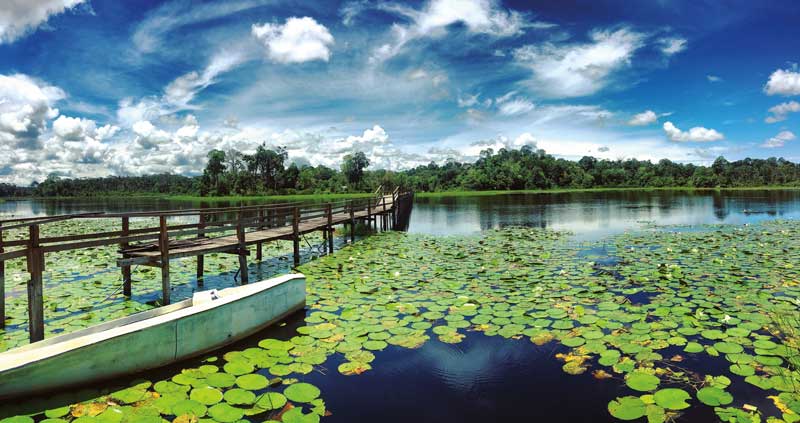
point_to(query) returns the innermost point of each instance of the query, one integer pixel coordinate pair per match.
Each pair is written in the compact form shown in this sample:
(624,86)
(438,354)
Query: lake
(592,214)
(493,378)
(598,214)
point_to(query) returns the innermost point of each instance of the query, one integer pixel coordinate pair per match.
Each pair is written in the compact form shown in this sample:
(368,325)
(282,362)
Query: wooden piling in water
(259,245)
(201,225)
(35,293)
(163,247)
(352,223)
(242,251)
(296,235)
(329,212)
(126,270)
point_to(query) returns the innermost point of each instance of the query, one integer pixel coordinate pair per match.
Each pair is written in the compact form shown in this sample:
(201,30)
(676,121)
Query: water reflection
(594,215)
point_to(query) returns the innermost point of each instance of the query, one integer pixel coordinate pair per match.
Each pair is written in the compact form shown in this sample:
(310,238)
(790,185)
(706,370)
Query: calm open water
(485,379)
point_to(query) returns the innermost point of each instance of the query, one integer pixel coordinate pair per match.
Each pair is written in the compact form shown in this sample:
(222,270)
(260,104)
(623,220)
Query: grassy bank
(578,190)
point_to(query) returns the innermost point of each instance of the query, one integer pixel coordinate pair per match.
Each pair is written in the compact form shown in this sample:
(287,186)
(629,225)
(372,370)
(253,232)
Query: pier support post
(201,225)
(126,270)
(2,283)
(296,235)
(352,223)
(35,294)
(259,245)
(329,211)
(163,247)
(383,216)
(369,212)
(242,251)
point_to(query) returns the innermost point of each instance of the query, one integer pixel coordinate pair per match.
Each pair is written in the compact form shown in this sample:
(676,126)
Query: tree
(214,169)
(353,166)
(268,165)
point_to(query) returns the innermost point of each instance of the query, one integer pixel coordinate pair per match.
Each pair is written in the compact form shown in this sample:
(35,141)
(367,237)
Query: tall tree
(353,166)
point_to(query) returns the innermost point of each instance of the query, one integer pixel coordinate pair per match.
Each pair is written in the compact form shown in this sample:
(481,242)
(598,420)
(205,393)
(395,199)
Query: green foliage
(265,172)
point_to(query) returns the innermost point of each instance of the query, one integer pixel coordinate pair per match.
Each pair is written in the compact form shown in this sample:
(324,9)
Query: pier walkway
(229,230)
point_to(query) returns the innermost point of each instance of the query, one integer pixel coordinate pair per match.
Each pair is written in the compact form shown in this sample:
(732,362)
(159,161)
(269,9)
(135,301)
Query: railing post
(296,235)
(163,248)
(395,198)
(352,223)
(126,270)
(259,244)
(375,219)
(242,250)
(2,283)
(35,293)
(383,216)
(201,225)
(369,212)
(329,211)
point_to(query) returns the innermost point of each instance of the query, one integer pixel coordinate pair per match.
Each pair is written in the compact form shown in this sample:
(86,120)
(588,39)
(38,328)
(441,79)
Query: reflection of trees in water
(599,209)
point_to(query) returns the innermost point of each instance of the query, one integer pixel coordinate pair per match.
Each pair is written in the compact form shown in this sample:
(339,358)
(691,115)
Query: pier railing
(196,233)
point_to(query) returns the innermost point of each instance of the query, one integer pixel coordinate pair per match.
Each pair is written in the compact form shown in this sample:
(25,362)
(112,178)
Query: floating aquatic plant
(640,320)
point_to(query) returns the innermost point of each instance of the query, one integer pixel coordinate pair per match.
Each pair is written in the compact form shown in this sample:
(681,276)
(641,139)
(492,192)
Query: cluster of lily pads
(648,314)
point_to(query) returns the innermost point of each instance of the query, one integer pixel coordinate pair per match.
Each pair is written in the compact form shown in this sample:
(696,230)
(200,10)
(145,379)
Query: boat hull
(151,342)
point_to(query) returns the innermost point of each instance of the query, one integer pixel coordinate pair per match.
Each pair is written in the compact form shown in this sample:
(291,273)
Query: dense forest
(270,172)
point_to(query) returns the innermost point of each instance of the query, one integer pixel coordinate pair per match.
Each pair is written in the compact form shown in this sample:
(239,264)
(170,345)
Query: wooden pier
(216,230)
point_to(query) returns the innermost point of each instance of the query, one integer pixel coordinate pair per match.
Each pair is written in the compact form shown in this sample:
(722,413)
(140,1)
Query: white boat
(151,339)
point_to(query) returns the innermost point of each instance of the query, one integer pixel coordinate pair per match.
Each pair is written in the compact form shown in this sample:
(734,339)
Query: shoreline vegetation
(268,174)
(434,194)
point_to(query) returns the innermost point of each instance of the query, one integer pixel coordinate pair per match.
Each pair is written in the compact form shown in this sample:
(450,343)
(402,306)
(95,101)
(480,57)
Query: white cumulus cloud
(25,107)
(579,69)
(781,111)
(19,17)
(645,118)
(79,140)
(696,134)
(783,82)
(296,41)
(779,140)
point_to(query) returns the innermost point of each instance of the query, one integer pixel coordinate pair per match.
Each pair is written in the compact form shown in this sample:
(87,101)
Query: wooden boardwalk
(211,233)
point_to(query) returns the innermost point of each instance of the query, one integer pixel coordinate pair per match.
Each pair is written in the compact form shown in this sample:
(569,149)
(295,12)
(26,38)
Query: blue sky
(100,87)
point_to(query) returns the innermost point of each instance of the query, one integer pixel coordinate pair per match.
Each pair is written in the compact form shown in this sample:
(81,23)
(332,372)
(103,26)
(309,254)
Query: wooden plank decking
(200,246)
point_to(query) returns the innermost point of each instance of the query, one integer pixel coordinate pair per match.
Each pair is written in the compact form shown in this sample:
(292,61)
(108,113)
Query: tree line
(268,171)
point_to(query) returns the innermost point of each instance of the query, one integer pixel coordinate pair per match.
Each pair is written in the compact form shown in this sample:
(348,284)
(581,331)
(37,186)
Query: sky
(107,87)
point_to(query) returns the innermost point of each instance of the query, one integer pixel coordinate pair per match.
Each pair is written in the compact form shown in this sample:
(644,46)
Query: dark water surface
(486,379)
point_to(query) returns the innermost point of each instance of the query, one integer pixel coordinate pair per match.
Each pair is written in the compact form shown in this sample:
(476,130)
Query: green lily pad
(238,396)
(672,398)
(714,396)
(271,401)
(190,407)
(225,413)
(640,381)
(627,408)
(252,382)
(301,392)
(206,395)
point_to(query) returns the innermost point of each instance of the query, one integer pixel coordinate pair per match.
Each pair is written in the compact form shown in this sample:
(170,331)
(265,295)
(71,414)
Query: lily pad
(714,396)
(640,381)
(627,408)
(301,392)
(672,398)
